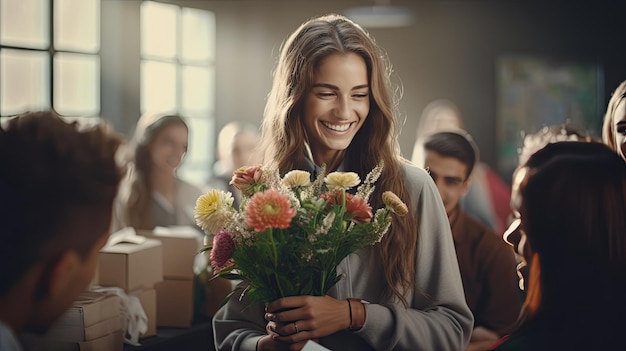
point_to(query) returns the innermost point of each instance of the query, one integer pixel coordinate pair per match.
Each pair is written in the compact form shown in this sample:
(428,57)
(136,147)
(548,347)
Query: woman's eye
(325,94)
(361,95)
(621,129)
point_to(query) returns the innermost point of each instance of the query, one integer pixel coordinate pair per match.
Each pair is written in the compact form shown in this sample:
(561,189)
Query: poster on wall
(537,92)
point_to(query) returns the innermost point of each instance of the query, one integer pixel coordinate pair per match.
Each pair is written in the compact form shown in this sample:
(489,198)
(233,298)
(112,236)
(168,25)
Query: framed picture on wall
(535,92)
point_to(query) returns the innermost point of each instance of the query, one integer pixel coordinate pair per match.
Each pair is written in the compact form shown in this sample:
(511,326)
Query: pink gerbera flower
(356,206)
(359,208)
(269,209)
(248,179)
(222,251)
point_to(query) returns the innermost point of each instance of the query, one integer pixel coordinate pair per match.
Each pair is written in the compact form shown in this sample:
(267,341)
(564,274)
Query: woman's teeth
(337,127)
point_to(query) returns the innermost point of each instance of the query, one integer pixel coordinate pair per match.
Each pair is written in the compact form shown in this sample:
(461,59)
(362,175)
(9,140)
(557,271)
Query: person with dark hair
(614,127)
(571,204)
(57,187)
(332,104)
(154,195)
(486,262)
(488,196)
(532,143)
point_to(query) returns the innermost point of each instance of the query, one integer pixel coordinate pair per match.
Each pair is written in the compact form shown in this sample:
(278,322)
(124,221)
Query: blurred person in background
(153,195)
(236,144)
(487,263)
(488,196)
(614,128)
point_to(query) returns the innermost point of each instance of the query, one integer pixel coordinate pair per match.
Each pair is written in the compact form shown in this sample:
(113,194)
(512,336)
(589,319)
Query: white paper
(313,346)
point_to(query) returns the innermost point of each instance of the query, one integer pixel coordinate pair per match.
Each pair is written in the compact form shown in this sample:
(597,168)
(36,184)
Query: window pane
(198,88)
(196,165)
(159,27)
(198,43)
(193,175)
(24,81)
(199,140)
(76,84)
(77,25)
(158,87)
(25,23)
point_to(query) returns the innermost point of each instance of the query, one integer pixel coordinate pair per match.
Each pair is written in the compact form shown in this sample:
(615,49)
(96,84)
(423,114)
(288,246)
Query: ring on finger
(295,325)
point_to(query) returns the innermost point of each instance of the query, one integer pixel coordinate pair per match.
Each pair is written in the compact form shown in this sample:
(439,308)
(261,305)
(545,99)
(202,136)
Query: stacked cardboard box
(175,292)
(93,322)
(134,264)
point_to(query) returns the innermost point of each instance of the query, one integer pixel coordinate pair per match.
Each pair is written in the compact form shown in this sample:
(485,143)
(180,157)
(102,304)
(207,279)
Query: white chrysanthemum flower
(214,210)
(341,180)
(297,178)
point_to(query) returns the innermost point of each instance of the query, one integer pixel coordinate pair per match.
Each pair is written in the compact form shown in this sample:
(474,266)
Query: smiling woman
(332,105)
(336,107)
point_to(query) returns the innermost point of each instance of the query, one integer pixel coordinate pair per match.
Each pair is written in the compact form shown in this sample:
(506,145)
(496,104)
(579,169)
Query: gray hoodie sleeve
(438,318)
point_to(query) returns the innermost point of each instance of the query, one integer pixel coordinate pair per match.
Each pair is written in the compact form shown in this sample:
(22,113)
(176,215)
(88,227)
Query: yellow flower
(341,180)
(213,210)
(393,202)
(297,178)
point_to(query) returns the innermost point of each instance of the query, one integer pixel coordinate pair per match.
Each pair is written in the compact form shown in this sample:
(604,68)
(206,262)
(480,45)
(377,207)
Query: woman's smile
(337,127)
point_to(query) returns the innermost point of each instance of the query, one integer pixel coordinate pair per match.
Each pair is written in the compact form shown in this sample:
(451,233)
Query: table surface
(198,337)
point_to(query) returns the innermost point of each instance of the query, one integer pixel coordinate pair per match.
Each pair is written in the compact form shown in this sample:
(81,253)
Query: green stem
(280,289)
(323,281)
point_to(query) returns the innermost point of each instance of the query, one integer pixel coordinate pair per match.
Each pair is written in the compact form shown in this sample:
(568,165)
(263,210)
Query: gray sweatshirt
(436,320)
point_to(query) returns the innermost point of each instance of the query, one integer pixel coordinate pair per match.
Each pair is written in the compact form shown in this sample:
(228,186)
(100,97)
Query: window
(178,76)
(49,57)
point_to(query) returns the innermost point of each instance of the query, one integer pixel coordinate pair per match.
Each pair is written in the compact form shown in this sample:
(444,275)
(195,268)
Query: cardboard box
(148,300)
(174,303)
(130,262)
(111,342)
(92,316)
(180,247)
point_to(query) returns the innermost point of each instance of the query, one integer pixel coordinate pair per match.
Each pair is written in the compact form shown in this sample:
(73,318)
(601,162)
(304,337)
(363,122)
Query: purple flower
(222,251)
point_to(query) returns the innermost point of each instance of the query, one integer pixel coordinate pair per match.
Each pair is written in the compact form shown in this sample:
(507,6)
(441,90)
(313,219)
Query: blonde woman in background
(614,128)
(236,144)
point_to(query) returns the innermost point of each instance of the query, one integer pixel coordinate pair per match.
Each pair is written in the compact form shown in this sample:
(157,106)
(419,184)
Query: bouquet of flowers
(290,233)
